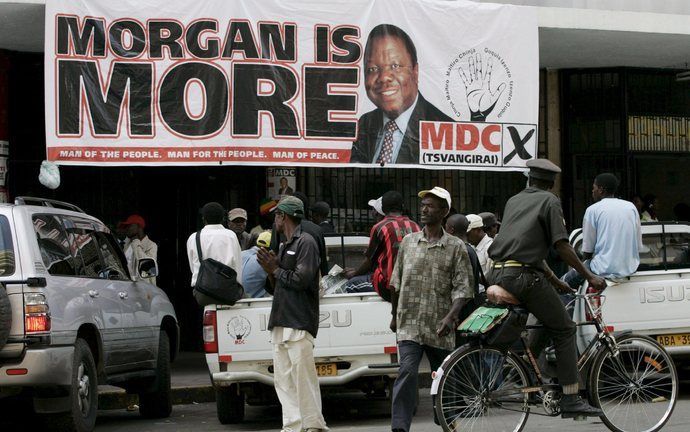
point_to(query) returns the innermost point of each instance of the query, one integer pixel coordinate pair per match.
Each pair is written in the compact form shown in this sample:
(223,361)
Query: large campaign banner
(392,83)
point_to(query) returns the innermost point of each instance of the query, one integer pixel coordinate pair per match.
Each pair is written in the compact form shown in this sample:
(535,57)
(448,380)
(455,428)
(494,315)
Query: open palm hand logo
(481,100)
(239,328)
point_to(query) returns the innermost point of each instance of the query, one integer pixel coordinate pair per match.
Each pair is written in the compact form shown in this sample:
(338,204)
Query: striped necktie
(386,155)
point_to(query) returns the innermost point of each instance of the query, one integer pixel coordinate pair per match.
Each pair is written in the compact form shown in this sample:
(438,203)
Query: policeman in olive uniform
(532,222)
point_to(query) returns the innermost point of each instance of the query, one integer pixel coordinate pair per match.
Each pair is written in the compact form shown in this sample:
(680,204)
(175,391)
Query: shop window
(54,246)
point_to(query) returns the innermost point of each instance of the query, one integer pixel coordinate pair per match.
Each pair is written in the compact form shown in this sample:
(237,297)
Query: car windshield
(6,248)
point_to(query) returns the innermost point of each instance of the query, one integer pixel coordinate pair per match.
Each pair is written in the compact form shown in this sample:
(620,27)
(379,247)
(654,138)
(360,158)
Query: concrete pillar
(553,124)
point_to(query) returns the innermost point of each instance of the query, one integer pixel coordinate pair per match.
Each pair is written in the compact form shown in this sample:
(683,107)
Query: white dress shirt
(219,243)
(482,249)
(402,121)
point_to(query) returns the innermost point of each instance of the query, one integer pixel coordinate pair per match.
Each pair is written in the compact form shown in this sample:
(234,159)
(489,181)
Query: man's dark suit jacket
(371,123)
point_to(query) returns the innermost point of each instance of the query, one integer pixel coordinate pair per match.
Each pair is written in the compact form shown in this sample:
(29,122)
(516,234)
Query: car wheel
(156,402)
(5,316)
(83,398)
(230,404)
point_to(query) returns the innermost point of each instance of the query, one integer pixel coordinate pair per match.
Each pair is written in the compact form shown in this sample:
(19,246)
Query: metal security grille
(585,168)
(348,190)
(593,135)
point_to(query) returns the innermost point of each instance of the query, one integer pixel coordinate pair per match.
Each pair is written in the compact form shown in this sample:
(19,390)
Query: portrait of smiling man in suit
(390,133)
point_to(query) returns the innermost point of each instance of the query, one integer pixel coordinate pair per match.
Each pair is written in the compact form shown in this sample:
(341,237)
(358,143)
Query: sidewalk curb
(119,399)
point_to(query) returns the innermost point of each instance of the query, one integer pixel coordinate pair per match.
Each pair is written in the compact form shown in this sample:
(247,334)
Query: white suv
(72,317)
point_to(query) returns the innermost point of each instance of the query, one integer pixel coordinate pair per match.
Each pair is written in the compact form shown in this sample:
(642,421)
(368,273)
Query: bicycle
(494,388)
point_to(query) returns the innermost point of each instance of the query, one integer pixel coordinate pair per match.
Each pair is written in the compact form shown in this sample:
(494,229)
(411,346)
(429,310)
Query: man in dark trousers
(294,320)
(431,282)
(390,133)
(533,222)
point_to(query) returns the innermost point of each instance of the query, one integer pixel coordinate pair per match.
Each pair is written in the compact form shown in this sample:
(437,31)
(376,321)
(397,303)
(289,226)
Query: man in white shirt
(217,242)
(611,234)
(138,245)
(481,242)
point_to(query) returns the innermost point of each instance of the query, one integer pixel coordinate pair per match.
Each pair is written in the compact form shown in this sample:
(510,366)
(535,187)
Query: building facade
(613,97)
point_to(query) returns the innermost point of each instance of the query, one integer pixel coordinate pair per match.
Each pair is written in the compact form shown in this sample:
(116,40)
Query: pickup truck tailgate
(651,303)
(350,324)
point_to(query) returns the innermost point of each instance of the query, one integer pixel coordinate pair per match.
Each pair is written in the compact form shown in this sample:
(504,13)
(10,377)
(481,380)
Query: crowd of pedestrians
(433,274)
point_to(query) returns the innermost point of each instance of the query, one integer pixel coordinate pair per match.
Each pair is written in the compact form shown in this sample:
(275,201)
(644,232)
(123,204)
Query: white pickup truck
(354,346)
(655,300)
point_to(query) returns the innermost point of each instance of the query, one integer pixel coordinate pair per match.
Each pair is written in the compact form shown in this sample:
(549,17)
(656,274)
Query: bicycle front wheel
(481,390)
(637,388)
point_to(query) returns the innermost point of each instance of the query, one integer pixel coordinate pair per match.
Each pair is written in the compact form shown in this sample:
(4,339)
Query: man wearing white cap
(237,222)
(377,209)
(481,242)
(384,238)
(431,281)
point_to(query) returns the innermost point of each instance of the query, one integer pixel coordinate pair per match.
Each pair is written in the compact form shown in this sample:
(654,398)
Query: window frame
(63,230)
(98,231)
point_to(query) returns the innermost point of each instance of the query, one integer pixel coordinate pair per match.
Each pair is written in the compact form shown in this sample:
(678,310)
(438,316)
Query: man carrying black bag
(294,321)
(220,247)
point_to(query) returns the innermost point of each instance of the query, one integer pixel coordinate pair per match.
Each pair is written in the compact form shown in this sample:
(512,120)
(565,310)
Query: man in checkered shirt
(431,281)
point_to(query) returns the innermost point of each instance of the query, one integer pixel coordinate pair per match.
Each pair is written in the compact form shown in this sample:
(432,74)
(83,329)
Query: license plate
(682,339)
(326,369)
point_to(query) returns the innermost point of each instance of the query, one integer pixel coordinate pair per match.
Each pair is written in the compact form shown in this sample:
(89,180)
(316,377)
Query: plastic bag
(49,176)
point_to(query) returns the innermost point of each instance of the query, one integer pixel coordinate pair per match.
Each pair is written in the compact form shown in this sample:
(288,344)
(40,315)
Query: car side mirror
(147,268)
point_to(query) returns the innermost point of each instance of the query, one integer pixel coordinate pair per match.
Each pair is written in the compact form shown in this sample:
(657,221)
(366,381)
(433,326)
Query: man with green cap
(294,320)
(532,223)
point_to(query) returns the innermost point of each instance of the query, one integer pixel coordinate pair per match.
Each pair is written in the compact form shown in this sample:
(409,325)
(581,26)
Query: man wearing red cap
(138,245)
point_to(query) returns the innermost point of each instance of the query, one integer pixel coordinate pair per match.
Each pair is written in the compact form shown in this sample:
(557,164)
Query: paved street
(350,413)
(344,414)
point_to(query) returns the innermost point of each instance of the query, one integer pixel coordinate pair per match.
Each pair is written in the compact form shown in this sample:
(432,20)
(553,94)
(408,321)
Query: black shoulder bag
(216,283)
